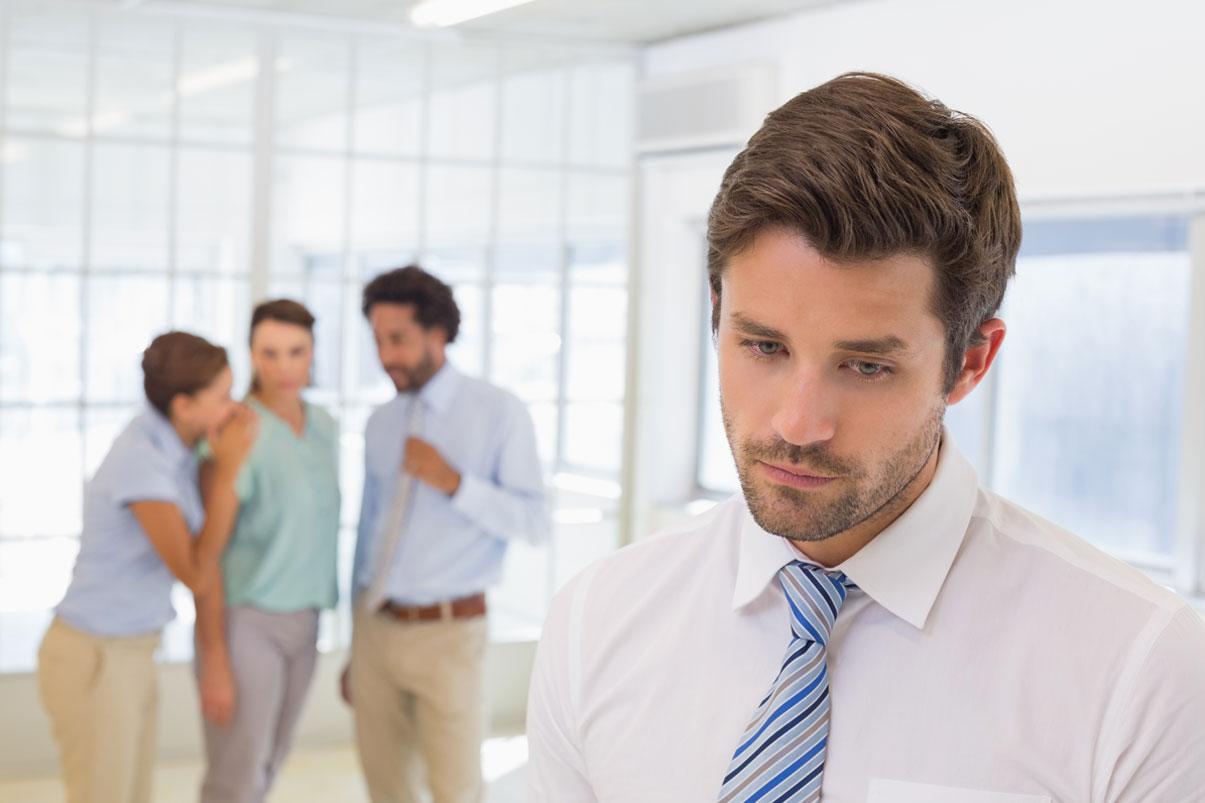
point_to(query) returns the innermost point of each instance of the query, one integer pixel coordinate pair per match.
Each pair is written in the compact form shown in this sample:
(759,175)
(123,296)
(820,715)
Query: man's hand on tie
(424,462)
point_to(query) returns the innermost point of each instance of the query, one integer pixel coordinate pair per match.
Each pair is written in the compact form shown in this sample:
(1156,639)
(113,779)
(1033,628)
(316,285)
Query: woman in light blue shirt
(144,528)
(257,634)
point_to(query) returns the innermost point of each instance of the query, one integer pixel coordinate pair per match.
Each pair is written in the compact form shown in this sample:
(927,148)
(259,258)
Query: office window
(128,205)
(1091,381)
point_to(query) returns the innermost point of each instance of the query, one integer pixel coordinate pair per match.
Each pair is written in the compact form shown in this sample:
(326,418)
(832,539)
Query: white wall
(1088,97)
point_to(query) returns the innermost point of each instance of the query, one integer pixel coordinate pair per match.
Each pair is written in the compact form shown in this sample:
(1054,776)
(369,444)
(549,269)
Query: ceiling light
(228,73)
(441,13)
(217,76)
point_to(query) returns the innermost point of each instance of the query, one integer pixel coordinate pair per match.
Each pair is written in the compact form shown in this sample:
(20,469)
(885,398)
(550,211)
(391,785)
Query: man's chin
(778,516)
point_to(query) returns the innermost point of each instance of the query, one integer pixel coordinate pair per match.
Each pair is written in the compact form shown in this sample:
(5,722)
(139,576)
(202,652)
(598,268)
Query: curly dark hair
(432,298)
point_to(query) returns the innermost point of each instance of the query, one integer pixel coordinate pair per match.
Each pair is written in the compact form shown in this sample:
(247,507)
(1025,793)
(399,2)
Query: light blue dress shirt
(451,546)
(120,585)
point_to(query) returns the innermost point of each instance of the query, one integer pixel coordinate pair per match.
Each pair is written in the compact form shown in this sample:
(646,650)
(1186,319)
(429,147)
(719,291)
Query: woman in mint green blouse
(257,634)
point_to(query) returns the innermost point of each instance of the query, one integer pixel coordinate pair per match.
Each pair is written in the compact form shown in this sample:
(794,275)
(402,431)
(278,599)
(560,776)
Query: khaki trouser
(418,690)
(102,700)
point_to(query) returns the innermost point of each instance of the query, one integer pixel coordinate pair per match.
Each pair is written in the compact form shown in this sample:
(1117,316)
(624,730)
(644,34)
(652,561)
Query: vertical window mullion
(1190,536)
(173,175)
(563,236)
(264,141)
(86,246)
(341,634)
(346,273)
(423,146)
(491,251)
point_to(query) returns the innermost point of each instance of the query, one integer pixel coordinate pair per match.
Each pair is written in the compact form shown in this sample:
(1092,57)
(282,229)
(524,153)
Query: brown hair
(433,302)
(179,362)
(283,310)
(866,167)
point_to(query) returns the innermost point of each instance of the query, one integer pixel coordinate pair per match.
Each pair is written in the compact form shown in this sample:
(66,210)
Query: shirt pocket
(883,791)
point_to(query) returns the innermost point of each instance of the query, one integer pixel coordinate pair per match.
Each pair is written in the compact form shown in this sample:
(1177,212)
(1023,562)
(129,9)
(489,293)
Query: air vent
(703,110)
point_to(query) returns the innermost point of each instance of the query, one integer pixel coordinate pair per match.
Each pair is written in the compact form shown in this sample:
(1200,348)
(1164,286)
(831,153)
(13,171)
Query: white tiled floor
(329,775)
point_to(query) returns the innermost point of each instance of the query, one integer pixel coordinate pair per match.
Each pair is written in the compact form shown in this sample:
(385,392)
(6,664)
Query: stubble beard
(415,377)
(801,515)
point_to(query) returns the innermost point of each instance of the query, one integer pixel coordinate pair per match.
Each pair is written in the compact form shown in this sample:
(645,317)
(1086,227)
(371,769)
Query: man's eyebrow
(882,346)
(752,327)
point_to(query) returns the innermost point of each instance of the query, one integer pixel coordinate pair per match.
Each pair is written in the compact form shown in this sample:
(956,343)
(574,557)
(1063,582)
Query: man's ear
(977,360)
(437,338)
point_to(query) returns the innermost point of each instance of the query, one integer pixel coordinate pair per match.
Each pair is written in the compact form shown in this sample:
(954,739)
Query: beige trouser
(418,690)
(102,700)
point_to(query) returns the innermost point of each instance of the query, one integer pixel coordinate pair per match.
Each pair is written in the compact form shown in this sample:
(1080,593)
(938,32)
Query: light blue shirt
(120,585)
(452,546)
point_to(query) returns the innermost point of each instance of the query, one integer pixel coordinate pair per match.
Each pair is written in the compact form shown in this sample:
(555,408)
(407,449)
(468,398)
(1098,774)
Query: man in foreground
(864,622)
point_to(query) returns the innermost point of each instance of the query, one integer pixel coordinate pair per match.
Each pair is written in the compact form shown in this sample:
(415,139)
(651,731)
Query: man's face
(409,353)
(830,383)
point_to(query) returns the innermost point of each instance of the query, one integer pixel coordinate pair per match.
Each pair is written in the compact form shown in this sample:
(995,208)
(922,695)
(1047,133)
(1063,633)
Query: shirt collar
(166,439)
(905,566)
(440,389)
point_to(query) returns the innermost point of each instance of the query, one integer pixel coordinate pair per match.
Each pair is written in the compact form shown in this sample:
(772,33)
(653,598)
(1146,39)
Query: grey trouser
(272,656)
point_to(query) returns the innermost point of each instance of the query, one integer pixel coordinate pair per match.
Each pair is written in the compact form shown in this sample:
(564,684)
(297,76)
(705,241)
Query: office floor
(330,774)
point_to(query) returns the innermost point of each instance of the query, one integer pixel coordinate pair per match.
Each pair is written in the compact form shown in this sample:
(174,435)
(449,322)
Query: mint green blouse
(282,555)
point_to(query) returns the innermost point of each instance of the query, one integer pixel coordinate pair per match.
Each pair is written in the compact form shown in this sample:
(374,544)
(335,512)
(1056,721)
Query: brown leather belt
(463,608)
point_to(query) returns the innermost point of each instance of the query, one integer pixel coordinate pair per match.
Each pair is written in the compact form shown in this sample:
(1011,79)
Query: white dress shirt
(989,657)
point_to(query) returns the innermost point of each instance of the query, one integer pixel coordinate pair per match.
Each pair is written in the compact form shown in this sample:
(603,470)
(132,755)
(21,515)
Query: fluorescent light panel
(442,13)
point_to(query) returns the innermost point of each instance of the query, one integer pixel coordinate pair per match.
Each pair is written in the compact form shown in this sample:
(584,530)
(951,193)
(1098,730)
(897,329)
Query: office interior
(165,164)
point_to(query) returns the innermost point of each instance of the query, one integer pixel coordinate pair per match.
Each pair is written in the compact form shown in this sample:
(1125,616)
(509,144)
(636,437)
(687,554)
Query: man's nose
(806,411)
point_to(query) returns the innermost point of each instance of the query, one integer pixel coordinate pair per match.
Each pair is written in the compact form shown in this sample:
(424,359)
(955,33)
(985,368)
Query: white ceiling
(630,21)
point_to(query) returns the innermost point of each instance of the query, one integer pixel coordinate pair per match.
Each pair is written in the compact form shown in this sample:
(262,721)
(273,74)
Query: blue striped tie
(781,755)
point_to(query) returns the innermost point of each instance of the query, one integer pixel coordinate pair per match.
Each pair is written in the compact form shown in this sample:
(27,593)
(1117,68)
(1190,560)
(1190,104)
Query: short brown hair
(284,310)
(179,362)
(433,302)
(866,167)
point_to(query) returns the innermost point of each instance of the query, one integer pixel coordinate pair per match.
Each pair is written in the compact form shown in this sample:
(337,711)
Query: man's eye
(763,348)
(869,369)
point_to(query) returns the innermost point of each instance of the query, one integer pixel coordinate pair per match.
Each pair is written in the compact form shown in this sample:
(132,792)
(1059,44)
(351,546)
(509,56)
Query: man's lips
(793,476)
